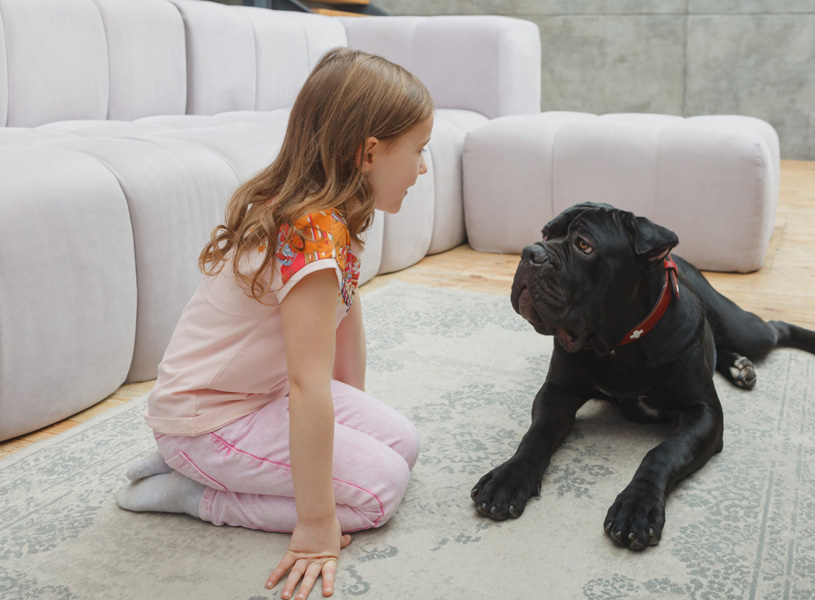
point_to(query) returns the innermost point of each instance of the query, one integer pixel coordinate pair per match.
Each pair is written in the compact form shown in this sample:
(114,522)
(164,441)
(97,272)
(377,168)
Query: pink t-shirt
(227,356)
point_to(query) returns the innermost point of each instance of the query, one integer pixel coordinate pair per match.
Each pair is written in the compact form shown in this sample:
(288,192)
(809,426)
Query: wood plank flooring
(784,288)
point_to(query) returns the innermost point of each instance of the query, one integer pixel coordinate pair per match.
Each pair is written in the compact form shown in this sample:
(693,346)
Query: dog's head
(578,283)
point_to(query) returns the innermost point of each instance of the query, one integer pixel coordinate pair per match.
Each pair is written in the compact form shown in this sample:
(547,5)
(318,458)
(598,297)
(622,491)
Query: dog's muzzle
(536,299)
(535,254)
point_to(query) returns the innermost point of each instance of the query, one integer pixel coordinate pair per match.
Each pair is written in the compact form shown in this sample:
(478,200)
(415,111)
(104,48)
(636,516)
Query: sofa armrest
(486,64)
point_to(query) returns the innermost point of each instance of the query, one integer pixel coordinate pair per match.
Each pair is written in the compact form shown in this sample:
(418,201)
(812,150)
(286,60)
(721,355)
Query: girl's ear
(369,152)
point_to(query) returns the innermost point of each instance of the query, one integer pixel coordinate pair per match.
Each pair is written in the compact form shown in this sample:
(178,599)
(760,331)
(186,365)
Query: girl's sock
(166,492)
(150,465)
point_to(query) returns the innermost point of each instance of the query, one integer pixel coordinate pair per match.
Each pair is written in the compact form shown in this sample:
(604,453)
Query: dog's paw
(637,517)
(504,491)
(743,373)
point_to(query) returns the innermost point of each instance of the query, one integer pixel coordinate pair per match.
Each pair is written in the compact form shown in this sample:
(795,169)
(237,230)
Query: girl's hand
(314,550)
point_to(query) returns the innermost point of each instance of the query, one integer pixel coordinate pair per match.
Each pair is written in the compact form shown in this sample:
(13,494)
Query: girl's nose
(422,165)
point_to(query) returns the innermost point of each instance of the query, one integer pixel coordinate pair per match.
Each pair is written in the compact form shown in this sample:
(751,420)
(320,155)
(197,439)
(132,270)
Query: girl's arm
(308,314)
(350,356)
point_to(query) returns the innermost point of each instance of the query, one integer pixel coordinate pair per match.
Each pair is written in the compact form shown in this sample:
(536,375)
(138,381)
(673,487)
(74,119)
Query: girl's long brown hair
(349,96)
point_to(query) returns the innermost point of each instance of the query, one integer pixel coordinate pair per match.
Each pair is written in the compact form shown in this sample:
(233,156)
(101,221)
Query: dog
(641,329)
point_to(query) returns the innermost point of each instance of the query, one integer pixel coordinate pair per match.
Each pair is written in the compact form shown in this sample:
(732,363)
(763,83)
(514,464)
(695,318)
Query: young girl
(259,412)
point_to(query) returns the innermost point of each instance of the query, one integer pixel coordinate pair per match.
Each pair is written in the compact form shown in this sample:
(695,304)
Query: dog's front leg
(504,491)
(637,517)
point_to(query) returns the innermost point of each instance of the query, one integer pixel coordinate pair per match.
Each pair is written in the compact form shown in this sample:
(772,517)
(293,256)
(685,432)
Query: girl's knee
(362,412)
(408,444)
(394,488)
(373,498)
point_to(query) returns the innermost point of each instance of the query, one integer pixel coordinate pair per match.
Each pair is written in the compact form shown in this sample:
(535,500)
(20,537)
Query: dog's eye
(583,245)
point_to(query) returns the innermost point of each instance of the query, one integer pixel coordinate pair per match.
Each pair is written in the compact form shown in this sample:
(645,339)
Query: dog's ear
(559,226)
(652,241)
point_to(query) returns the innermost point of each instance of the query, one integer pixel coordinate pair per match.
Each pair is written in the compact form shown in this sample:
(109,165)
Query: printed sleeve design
(317,236)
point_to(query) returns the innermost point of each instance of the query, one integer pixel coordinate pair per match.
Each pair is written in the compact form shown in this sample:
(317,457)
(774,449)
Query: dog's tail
(792,336)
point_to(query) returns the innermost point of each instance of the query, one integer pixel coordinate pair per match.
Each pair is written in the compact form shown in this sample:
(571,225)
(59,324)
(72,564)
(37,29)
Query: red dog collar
(668,290)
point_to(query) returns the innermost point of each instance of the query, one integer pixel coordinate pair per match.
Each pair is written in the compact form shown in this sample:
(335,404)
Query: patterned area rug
(465,368)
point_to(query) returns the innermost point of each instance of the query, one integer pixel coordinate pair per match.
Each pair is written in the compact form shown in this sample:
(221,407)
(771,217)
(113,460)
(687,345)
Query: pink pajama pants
(246,469)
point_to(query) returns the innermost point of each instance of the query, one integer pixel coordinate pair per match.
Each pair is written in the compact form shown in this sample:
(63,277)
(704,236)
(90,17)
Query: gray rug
(464,367)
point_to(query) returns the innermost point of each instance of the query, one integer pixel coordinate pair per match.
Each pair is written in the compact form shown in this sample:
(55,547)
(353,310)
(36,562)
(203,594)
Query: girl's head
(348,128)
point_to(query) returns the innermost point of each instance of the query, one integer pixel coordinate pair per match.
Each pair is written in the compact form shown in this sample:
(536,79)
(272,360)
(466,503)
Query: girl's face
(393,166)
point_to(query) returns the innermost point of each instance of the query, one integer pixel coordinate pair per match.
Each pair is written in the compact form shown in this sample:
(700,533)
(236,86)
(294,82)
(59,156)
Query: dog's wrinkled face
(577,283)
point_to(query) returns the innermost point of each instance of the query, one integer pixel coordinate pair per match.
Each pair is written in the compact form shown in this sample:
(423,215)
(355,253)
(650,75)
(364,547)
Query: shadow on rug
(464,368)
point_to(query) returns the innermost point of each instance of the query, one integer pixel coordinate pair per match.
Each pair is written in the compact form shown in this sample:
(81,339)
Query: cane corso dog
(640,329)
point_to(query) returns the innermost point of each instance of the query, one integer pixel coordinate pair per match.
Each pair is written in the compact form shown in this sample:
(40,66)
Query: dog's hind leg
(755,338)
(737,369)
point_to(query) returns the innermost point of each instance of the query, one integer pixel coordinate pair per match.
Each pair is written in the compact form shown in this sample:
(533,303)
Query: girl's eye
(583,245)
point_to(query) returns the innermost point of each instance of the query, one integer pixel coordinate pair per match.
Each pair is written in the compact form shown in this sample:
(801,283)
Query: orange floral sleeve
(318,236)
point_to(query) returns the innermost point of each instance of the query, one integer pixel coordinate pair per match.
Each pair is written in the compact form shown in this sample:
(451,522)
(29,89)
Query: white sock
(150,465)
(166,492)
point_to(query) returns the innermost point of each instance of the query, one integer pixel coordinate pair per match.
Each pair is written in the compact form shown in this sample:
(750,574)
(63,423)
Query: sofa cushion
(146,56)
(67,286)
(282,58)
(446,143)
(221,74)
(66,41)
(712,180)
(176,192)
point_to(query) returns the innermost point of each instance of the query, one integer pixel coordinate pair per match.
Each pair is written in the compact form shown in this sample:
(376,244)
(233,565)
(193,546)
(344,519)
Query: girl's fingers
(329,573)
(280,570)
(308,570)
(309,578)
(294,577)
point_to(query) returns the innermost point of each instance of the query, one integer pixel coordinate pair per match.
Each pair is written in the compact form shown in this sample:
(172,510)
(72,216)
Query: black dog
(640,330)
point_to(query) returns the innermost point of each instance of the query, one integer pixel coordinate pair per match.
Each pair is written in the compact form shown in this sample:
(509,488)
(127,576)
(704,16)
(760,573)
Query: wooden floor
(783,289)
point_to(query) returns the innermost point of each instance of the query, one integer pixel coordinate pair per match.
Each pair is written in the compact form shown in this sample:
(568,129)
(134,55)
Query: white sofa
(126,124)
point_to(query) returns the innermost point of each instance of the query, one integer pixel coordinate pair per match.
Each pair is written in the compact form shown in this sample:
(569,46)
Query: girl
(259,412)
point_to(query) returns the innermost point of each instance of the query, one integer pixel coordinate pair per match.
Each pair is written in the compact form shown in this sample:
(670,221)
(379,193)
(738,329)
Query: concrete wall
(681,57)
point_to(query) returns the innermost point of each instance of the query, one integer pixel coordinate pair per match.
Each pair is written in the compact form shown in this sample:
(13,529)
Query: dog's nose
(535,254)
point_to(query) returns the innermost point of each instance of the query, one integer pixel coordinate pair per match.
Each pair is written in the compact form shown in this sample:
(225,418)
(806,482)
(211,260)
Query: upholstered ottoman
(712,179)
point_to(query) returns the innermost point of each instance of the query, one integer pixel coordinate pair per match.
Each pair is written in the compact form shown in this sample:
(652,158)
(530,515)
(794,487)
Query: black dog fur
(596,274)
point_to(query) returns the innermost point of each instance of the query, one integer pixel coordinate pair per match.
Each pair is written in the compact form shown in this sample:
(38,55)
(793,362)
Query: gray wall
(681,57)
